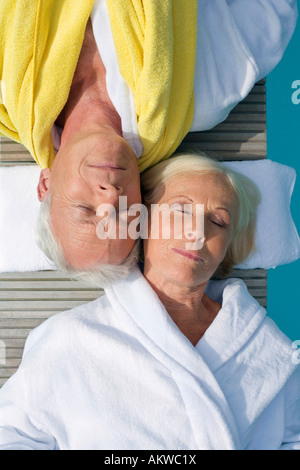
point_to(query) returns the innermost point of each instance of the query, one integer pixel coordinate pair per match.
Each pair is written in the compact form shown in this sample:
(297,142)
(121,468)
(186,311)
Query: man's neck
(88,103)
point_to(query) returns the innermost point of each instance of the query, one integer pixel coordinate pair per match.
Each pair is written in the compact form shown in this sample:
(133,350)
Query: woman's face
(169,258)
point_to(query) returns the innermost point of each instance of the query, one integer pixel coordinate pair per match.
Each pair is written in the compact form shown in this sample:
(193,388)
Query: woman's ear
(43,186)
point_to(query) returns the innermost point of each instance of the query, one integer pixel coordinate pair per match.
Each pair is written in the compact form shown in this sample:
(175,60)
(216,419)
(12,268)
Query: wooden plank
(58,286)
(239,126)
(14,343)
(33,276)
(242,136)
(25,302)
(13,353)
(250,118)
(6,373)
(36,295)
(11,363)
(13,323)
(230,137)
(7,333)
(59,275)
(3,380)
(45,284)
(58,305)
(11,151)
(20,314)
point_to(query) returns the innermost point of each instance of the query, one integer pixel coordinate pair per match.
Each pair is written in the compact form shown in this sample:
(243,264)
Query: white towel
(19,207)
(277,239)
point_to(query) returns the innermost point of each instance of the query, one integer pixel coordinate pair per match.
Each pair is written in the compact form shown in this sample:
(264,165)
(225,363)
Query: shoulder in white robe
(118,374)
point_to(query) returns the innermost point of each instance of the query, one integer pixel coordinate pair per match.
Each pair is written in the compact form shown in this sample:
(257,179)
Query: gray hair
(100,276)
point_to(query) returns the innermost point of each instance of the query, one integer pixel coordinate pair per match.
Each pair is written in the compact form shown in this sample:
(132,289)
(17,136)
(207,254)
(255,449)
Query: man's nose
(110,193)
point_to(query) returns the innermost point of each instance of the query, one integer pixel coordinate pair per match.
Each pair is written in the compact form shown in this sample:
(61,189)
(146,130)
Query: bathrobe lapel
(243,343)
(140,310)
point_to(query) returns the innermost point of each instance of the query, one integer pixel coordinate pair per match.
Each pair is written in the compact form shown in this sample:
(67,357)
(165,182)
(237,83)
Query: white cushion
(277,239)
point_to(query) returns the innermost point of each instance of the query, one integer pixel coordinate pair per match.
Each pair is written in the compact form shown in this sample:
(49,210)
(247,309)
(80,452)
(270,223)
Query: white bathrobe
(118,374)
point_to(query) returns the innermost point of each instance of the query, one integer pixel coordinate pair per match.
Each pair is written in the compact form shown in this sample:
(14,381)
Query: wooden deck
(26,300)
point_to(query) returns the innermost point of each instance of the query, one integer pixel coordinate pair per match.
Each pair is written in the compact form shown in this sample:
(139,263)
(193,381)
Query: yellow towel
(40,42)
(156,47)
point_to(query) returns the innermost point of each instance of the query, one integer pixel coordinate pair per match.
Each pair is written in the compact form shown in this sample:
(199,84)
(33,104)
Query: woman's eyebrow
(224,209)
(181,196)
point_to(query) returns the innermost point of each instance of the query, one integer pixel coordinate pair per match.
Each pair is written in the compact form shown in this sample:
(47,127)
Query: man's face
(92,169)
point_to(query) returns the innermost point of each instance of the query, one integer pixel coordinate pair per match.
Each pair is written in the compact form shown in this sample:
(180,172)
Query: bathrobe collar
(144,307)
(236,323)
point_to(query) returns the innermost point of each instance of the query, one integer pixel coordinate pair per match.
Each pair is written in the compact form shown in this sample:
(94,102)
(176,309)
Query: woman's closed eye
(220,223)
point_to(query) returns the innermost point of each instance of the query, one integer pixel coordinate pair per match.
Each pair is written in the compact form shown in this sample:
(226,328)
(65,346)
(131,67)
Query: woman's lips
(189,255)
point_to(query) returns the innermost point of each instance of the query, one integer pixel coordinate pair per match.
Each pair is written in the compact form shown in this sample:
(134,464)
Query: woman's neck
(188,306)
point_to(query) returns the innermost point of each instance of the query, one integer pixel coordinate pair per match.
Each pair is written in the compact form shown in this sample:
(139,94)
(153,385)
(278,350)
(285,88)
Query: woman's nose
(196,240)
(195,231)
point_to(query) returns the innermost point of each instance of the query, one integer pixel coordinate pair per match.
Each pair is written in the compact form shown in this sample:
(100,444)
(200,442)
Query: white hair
(101,275)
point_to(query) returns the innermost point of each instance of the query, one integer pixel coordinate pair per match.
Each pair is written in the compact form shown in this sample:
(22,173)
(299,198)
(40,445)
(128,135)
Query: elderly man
(99,91)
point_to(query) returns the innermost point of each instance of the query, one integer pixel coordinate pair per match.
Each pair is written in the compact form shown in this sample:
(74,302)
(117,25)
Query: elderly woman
(168,360)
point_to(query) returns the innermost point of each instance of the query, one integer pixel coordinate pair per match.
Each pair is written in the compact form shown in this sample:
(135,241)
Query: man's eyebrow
(81,206)
(82,215)
(84,222)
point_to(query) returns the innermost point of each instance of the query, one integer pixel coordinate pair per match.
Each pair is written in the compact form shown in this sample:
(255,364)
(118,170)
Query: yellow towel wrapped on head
(40,42)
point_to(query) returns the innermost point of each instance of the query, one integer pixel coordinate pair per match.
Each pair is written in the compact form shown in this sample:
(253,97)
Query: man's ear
(43,186)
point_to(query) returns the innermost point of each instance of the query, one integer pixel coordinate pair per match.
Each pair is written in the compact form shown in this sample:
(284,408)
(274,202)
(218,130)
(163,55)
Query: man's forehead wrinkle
(85,255)
(83,244)
(62,197)
(66,201)
(70,232)
(78,245)
(83,233)
(89,237)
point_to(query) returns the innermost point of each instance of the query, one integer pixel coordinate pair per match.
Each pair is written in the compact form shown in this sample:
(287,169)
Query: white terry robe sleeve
(291,440)
(19,430)
(239,43)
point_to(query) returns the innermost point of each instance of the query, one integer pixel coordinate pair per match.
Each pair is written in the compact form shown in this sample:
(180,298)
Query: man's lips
(189,255)
(107,166)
